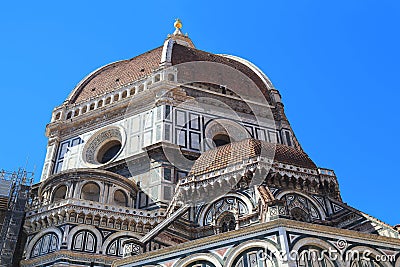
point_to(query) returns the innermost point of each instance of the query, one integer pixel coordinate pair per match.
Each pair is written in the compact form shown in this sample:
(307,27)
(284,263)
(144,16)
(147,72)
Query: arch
(124,94)
(48,243)
(227,222)
(120,198)
(84,241)
(69,115)
(372,255)
(57,116)
(397,262)
(157,78)
(225,130)
(115,236)
(90,228)
(198,257)
(33,241)
(320,209)
(256,243)
(171,77)
(90,191)
(59,193)
(141,88)
(241,197)
(312,241)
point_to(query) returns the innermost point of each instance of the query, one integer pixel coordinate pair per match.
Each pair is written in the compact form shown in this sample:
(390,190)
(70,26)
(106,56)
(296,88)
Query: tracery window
(84,241)
(300,208)
(115,248)
(256,257)
(46,244)
(223,206)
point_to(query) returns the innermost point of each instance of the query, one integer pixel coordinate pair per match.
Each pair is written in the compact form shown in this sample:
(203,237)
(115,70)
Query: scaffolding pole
(14,193)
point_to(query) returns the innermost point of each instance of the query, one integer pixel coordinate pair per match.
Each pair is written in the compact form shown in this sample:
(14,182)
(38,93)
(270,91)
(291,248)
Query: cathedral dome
(177,49)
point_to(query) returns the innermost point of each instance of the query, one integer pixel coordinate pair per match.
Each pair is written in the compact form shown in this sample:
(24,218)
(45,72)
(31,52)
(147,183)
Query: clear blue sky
(336,64)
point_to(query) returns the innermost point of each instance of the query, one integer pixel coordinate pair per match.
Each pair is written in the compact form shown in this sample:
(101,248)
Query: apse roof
(233,153)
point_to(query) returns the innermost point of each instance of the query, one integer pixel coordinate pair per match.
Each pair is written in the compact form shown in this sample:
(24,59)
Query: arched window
(221,139)
(115,248)
(84,241)
(90,191)
(255,257)
(171,77)
(69,115)
(60,193)
(46,244)
(301,208)
(222,209)
(120,198)
(124,94)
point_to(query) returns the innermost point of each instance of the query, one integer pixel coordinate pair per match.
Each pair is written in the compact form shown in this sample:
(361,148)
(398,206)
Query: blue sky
(336,64)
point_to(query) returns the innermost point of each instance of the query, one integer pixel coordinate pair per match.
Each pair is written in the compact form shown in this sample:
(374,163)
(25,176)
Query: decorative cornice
(289,224)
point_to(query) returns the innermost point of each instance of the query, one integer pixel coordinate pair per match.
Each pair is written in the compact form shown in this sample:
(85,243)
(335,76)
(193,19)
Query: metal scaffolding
(14,193)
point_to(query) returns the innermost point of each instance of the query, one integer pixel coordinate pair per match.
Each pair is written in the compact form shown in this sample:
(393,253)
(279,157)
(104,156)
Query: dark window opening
(228,223)
(120,198)
(289,142)
(167,174)
(60,193)
(221,139)
(90,191)
(108,151)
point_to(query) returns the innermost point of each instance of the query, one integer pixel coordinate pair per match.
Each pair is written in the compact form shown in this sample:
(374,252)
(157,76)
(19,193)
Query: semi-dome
(177,49)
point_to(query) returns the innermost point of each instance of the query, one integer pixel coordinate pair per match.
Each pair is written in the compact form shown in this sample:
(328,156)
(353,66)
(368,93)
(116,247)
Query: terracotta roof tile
(117,74)
(224,156)
(183,54)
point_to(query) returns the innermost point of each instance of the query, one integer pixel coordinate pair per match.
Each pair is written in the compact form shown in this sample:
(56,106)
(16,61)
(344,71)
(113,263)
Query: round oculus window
(103,147)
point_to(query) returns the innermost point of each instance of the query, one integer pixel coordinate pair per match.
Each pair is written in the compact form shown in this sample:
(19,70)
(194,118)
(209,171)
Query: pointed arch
(39,235)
